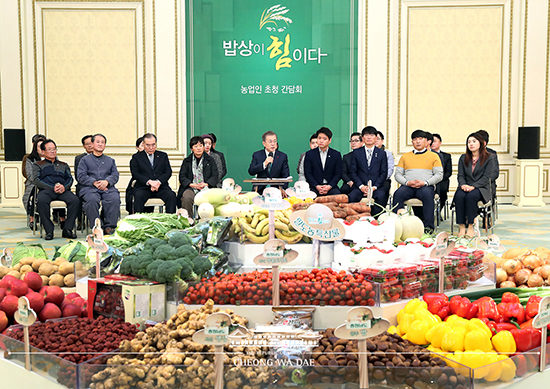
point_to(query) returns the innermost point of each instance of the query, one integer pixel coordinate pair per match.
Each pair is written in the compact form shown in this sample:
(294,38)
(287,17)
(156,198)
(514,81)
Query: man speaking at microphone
(269,162)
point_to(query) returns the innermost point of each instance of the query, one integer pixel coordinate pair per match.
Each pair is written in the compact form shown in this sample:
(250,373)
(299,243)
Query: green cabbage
(23,250)
(72,251)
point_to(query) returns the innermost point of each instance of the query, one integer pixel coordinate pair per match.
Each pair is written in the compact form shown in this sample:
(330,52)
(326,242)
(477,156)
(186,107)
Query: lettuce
(72,251)
(23,250)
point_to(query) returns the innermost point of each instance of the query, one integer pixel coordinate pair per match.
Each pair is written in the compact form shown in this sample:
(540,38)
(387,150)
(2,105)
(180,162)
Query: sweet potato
(350,211)
(300,206)
(357,217)
(358,207)
(339,214)
(341,198)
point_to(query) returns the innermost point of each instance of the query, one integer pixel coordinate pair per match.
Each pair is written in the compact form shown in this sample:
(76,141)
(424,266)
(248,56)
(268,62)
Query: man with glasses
(269,162)
(53,179)
(98,174)
(369,164)
(355,142)
(151,171)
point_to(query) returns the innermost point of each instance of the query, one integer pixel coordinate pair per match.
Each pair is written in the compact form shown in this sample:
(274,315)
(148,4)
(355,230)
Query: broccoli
(126,265)
(153,243)
(187,252)
(186,269)
(168,271)
(152,269)
(201,265)
(165,252)
(179,239)
(140,262)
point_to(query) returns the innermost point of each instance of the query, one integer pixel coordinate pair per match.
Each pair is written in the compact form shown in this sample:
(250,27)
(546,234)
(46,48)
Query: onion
(507,284)
(511,279)
(535,281)
(531,261)
(522,276)
(544,271)
(501,275)
(511,266)
(523,286)
(536,270)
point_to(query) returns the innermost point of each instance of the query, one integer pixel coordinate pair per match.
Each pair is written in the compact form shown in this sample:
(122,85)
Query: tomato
(348,294)
(350,302)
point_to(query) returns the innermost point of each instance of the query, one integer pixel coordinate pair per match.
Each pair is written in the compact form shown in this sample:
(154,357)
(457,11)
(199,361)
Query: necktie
(151,158)
(269,164)
(369,155)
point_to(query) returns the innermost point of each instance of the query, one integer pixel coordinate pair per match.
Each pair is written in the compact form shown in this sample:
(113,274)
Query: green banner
(256,65)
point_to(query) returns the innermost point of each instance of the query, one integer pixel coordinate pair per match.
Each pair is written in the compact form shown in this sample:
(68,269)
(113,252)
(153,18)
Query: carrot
(340,214)
(350,211)
(359,207)
(300,206)
(357,217)
(331,204)
(341,198)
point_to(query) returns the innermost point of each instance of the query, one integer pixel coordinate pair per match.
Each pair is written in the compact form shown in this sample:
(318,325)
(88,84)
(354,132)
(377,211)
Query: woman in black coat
(192,181)
(474,182)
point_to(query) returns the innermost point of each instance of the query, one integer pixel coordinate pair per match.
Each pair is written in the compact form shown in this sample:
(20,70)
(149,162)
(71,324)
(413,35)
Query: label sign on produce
(216,330)
(275,254)
(354,325)
(543,318)
(24,314)
(6,258)
(305,229)
(361,324)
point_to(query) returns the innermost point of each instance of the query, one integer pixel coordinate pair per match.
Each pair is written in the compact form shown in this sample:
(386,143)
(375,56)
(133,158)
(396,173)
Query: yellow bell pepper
(476,360)
(414,304)
(417,332)
(504,342)
(477,339)
(453,339)
(476,323)
(457,321)
(436,333)
(404,321)
(422,313)
(508,370)
(392,330)
(495,367)
(454,360)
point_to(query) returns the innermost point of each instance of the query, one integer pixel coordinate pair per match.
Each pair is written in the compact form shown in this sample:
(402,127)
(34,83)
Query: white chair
(156,202)
(414,202)
(55,204)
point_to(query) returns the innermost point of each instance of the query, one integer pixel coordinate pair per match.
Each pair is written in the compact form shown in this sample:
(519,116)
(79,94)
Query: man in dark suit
(355,141)
(269,162)
(151,170)
(323,165)
(442,187)
(369,163)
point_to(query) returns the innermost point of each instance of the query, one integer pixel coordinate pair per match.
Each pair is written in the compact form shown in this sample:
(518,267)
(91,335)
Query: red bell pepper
(492,325)
(509,297)
(512,312)
(506,326)
(438,304)
(526,339)
(487,308)
(462,307)
(532,307)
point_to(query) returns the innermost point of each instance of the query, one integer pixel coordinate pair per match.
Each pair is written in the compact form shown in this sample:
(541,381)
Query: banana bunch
(256,228)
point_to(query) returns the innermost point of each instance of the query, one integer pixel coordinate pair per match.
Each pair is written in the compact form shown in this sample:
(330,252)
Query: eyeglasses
(355,141)
(50,150)
(271,141)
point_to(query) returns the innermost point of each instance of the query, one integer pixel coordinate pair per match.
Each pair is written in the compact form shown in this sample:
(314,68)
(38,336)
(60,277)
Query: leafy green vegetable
(23,250)
(139,227)
(72,251)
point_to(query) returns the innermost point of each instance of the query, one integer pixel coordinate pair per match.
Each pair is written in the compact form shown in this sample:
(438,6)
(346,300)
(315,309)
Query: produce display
(523,268)
(59,272)
(77,340)
(255,227)
(339,206)
(164,356)
(315,287)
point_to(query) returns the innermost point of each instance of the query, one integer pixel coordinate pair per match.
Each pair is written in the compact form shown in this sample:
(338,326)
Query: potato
(66,268)
(81,273)
(25,269)
(69,280)
(4,270)
(46,269)
(14,273)
(17,267)
(57,280)
(59,260)
(37,262)
(45,280)
(78,265)
(27,261)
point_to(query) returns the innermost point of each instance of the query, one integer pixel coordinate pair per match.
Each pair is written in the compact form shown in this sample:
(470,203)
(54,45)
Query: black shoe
(49,236)
(62,224)
(109,231)
(68,234)
(31,225)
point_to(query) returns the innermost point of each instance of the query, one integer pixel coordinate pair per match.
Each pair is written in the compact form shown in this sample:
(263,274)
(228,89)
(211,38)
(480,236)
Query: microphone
(269,164)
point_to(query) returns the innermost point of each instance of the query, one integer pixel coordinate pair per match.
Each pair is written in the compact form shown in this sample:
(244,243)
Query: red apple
(84,313)
(3,320)
(9,304)
(33,280)
(50,311)
(6,281)
(17,288)
(71,296)
(71,310)
(81,303)
(54,294)
(2,294)
(36,301)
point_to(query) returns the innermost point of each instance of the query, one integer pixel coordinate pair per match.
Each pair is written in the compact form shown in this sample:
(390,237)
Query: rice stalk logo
(273,15)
